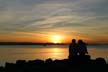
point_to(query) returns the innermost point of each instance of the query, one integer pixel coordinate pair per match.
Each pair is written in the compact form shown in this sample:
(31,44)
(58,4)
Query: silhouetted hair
(73,40)
(80,41)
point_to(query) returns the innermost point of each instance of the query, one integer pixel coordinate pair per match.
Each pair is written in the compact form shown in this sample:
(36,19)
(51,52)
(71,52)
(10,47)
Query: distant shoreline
(30,43)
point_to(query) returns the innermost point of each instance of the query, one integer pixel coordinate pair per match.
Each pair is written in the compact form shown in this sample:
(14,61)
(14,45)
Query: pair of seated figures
(79,48)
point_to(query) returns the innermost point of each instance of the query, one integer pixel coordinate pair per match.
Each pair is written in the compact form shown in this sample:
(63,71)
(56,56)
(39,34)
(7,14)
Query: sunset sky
(44,20)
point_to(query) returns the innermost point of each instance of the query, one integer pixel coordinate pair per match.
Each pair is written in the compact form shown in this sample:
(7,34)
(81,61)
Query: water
(11,53)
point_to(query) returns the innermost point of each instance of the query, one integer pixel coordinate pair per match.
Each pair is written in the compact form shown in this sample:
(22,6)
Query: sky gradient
(39,20)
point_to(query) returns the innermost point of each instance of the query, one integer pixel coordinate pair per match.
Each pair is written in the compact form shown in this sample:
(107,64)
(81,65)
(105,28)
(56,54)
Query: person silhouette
(82,48)
(73,48)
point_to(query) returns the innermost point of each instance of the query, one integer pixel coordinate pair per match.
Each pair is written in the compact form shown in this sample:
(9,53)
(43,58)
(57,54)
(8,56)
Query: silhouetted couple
(79,48)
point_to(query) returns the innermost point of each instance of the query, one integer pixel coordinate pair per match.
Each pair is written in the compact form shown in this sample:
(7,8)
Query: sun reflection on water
(57,53)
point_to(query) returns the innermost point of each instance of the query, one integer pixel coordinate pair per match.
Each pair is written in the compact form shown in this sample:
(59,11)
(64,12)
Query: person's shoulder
(70,44)
(85,43)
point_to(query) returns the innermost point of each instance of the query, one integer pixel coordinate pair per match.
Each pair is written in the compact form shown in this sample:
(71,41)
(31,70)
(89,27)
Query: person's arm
(70,48)
(86,48)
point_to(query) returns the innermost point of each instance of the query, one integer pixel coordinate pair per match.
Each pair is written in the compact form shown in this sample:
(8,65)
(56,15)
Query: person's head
(80,41)
(73,41)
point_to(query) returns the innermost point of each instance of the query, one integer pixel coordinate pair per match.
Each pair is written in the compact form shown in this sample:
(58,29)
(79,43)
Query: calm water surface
(11,53)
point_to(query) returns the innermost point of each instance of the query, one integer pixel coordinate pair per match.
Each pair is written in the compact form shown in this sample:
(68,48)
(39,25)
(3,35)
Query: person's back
(82,48)
(73,48)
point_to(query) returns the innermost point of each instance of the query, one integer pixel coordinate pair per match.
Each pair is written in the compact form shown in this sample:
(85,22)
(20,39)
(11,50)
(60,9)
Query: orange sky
(44,39)
(41,20)
(50,38)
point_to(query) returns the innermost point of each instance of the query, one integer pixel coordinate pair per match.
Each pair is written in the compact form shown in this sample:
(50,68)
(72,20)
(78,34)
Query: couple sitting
(79,48)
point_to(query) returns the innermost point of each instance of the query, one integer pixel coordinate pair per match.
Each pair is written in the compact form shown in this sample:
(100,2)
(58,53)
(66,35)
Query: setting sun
(56,39)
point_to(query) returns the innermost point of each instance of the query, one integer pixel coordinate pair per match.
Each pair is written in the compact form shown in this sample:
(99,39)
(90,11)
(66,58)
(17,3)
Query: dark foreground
(73,64)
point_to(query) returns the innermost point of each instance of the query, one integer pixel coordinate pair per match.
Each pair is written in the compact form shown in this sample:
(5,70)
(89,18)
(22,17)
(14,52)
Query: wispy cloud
(85,17)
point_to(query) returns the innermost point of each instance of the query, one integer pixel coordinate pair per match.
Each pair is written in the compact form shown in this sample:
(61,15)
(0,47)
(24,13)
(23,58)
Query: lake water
(11,53)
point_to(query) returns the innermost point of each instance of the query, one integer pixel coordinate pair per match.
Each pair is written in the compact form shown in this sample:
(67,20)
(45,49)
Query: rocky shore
(72,64)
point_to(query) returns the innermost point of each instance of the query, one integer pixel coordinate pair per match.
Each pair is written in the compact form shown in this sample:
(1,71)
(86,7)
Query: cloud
(81,16)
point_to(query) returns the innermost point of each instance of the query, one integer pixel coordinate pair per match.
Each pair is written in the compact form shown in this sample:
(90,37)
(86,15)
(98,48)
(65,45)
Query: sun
(56,39)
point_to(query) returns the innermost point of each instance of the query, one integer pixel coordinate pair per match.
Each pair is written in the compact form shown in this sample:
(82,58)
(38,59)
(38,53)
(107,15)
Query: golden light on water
(58,53)
(56,50)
